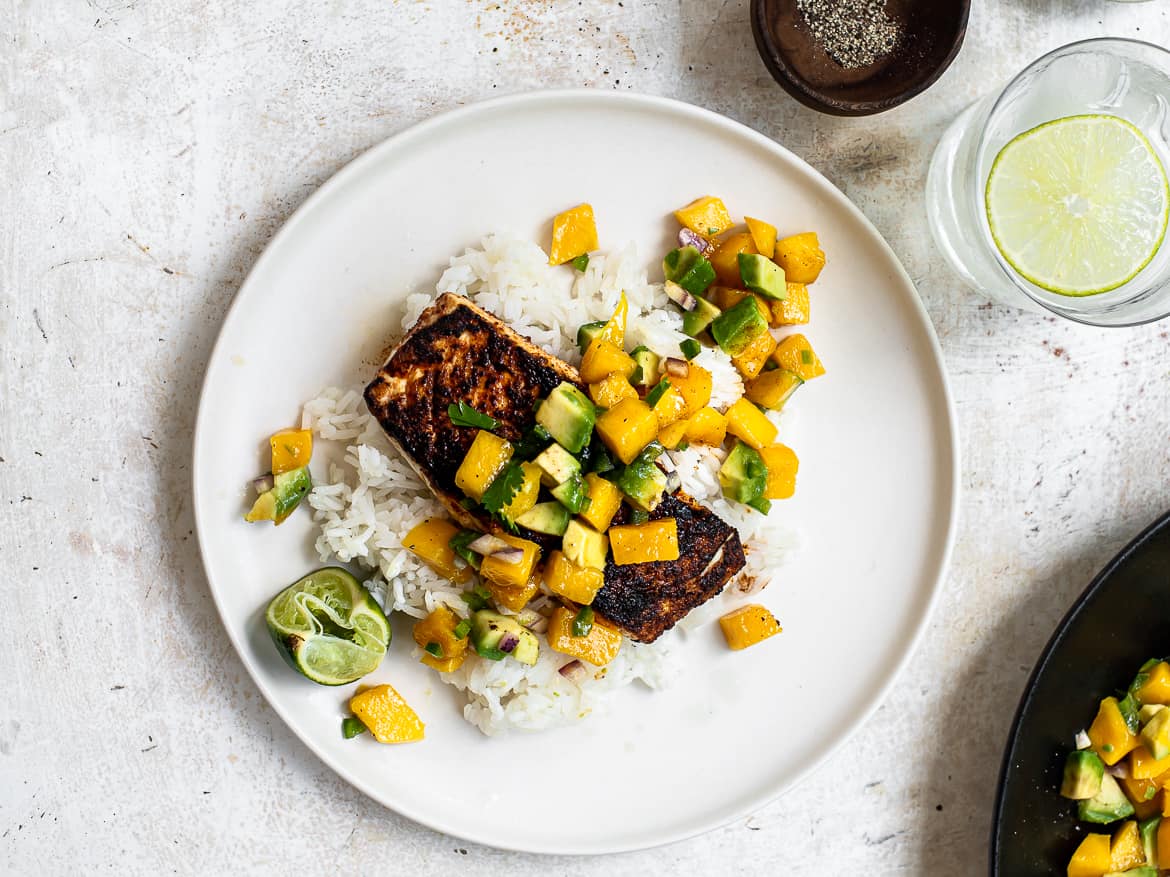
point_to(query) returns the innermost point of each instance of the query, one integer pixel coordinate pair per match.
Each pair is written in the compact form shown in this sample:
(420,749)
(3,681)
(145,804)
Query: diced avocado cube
(550,518)
(736,328)
(556,465)
(744,477)
(643,483)
(687,267)
(1148,829)
(286,493)
(1156,735)
(584,546)
(1141,871)
(496,637)
(1129,707)
(760,274)
(587,333)
(646,373)
(568,415)
(1082,775)
(572,494)
(695,322)
(1148,711)
(1108,805)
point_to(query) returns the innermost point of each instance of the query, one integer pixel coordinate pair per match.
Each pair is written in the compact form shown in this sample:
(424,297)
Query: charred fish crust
(647,599)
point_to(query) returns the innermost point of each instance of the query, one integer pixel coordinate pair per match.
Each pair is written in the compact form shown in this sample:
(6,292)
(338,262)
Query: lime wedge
(328,627)
(1078,206)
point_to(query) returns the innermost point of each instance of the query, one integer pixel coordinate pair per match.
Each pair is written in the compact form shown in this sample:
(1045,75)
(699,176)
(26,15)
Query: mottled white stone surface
(148,151)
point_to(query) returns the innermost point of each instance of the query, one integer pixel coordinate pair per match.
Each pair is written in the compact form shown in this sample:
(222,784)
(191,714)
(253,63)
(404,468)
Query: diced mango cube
(485,458)
(510,598)
(1109,734)
(672,436)
(598,647)
(726,297)
(707,427)
(801,257)
(512,575)
(611,389)
(526,496)
(748,625)
(725,258)
(651,542)
(1126,850)
(670,406)
(1163,838)
(436,633)
(614,330)
(763,235)
(627,427)
(1091,858)
(430,542)
(1143,794)
(291,449)
(577,583)
(771,389)
(795,354)
(793,310)
(574,234)
(746,422)
(604,501)
(1156,688)
(694,387)
(706,216)
(782,467)
(1143,765)
(751,361)
(389,717)
(602,359)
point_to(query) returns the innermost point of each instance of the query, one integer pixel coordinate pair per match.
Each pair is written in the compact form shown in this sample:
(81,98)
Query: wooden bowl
(933,33)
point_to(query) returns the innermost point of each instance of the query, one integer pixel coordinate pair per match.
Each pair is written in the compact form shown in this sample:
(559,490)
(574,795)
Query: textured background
(148,151)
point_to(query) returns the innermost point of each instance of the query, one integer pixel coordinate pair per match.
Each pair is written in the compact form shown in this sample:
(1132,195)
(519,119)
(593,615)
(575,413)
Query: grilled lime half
(328,627)
(1078,206)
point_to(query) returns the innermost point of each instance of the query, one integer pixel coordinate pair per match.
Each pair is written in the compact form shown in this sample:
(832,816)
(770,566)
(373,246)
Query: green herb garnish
(581,262)
(583,623)
(476,598)
(690,348)
(459,544)
(503,488)
(806,357)
(712,230)
(351,727)
(462,629)
(462,414)
(434,649)
(535,440)
(658,392)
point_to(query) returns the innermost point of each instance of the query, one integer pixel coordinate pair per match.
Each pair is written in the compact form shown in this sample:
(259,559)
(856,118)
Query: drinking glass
(1120,77)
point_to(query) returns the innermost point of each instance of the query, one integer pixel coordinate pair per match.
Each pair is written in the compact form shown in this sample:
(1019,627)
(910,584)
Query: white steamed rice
(373,497)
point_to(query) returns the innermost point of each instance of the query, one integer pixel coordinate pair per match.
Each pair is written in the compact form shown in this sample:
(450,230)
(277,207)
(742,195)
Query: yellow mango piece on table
(771,389)
(795,354)
(577,583)
(763,235)
(748,625)
(725,258)
(511,598)
(485,458)
(436,633)
(511,575)
(746,422)
(782,466)
(598,647)
(795,309)
(1126,849)
(707,427)
(801,257)
(1092,857)
(604,501)
(602,359)
(1143,765)
(1109,735)
(527,495)
(751,362)
(1156,688)
(651,542)
(670,406)
(430,542)
(291,449)
(574,234)
(626,428)
(389,717)
(672,436)
(706,216)
(694,387)
(611,389)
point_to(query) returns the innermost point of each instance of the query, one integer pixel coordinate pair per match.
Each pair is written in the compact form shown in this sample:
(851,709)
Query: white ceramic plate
(876,499)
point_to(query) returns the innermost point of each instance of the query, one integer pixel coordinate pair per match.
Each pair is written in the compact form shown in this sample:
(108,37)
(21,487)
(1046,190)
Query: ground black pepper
(854,33)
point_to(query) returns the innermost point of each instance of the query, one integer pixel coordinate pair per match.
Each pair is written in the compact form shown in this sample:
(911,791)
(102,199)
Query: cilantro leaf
(462,414)
(503,489)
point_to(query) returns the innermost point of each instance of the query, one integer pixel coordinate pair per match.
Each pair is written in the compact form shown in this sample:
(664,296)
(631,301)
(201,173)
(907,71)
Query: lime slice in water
(329,627)
(1078,206)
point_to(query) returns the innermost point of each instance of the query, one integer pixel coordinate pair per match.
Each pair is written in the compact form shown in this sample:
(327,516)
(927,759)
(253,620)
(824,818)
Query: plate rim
(1152,530)
(937,573)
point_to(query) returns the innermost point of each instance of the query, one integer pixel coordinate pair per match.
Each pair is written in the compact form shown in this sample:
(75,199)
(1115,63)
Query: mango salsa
(705,216)
(1126,850)
(694,388)
(1156,688)
(291,449)
(651,542)
(604,501)
(1092,858)
(574,234)
(707,427)
(725,259)
(512,575)
(485,458)
(771,389)
(801,257)
(748,625)
(782,467)
(670,406)
(526,496)
(794,310)
(604,358)
(763,235)
(429,541)
(389,717)
(611,389)
(746,422)
(436,634)
(627,428)
(795,354)
(751,361)
(672,436)
(577,583)
(598,647)
(511,598)
(1109,734)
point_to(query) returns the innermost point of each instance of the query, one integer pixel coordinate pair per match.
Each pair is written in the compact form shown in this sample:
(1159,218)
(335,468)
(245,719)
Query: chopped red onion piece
(263,484)
(508,555)
(676,368)
(509,642)
(574,671)
(1083,741)
(488,545)
(539,626)
(688,238)
(680,296)
(1119,770)
(673,482)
